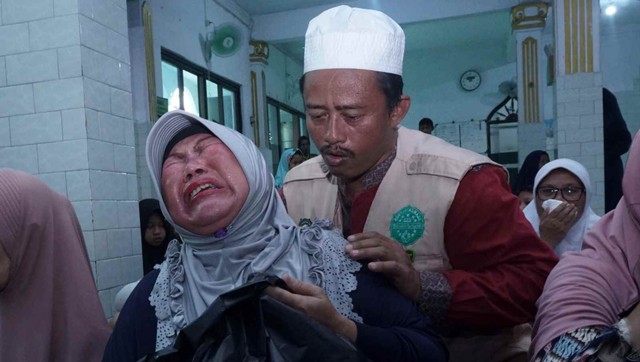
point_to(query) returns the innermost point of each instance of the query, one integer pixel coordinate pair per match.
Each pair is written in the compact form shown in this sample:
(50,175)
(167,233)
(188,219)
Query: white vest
(411,203)
(410,206)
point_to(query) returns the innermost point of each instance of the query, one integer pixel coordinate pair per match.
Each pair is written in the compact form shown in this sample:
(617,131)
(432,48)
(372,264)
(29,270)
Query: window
(285,126)
(194,89)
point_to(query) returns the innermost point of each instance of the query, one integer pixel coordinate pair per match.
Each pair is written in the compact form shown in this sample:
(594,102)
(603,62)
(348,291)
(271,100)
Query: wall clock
(470,80)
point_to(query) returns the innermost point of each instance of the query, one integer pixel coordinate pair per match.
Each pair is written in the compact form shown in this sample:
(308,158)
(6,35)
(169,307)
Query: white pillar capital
(529,15)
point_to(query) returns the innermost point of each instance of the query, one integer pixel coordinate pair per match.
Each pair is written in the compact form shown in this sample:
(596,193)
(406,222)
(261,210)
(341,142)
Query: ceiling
(262,7)
(460,32)
(628,12)
(466,32)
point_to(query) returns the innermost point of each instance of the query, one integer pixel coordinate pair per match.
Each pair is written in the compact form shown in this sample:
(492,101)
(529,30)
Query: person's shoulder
(414,142)
(145,285)
(430,155)
(311,169)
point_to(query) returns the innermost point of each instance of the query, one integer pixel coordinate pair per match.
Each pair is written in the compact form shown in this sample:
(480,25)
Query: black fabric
(395,330)
(247,325)
(528,171)
(134,335)
(617,141)
(152,255)
(194,128)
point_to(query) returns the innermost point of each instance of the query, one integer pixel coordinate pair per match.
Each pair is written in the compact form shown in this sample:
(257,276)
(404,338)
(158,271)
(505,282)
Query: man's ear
(400,110)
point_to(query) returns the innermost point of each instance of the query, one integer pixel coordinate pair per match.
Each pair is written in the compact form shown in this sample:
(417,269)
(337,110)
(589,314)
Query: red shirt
(499,264)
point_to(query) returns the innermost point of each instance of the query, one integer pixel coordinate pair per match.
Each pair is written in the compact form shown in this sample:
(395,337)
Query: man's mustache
(336,151)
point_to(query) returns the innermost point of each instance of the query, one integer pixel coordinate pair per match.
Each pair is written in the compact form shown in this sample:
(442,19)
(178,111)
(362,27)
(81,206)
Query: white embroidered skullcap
(352,38)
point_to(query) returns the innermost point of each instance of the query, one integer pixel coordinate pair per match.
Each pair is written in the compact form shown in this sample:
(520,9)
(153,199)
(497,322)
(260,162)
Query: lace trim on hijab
(168,287)
(333,270)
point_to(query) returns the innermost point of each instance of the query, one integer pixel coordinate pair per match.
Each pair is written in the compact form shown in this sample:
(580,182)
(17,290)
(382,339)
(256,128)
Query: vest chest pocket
(431,262)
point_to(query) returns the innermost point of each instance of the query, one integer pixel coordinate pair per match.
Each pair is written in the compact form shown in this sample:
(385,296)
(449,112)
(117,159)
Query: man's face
(426,128)
(348,120)
(203,185)
(525,197)
(295,161)
(304,146)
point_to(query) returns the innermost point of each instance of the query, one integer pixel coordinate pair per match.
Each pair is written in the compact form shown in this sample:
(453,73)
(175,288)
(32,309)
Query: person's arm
(394,329)
(134,335)
(499,264)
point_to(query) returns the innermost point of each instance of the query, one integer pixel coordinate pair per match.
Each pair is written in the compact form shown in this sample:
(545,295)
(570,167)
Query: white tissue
(550,204)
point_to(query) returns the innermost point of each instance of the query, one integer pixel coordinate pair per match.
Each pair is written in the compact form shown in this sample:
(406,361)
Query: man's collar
(374,176)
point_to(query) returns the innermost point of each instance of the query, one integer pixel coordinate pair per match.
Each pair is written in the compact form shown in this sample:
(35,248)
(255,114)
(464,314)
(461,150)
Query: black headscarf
(528,171)
(152,255)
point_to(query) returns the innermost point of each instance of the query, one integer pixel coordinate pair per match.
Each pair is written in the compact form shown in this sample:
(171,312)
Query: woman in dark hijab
(523,186)
(155,234)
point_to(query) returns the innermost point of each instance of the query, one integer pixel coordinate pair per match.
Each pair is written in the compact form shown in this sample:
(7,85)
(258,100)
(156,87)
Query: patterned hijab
(49,310)
(573,240)
(595,286)
(261,239)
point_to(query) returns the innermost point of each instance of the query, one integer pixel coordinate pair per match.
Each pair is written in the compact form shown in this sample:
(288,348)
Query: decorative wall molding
(530,81)
(260,51)
(529,15)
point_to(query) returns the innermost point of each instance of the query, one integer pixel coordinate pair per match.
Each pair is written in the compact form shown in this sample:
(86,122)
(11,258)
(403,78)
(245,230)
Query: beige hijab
(49,310)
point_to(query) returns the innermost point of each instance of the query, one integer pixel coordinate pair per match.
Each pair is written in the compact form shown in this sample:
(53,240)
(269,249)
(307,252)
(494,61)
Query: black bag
(247,325)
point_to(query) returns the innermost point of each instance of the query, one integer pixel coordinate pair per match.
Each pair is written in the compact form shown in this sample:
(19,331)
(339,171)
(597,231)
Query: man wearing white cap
(463,251)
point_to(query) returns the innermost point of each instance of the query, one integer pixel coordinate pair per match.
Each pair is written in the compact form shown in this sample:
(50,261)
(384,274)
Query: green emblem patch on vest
(305,222)
(407,225)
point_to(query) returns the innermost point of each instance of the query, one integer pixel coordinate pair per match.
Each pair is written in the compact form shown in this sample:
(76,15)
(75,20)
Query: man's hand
(312,301)
(388,257)
(554,225)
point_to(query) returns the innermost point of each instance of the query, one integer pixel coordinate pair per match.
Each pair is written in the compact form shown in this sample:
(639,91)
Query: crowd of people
(471,270)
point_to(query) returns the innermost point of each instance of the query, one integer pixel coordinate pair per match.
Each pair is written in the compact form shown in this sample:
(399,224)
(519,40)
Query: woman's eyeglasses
(570,193)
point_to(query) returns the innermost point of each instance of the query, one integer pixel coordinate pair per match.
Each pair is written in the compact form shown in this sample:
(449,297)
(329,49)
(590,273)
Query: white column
(578,89)
(259,116)
(528,21)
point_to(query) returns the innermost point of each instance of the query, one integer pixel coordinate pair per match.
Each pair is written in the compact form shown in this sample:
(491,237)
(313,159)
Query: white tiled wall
(579,127)
(66,117)
(5,136)
(17,100)
(55,32)
(58,94)
(145,188)
(32,67)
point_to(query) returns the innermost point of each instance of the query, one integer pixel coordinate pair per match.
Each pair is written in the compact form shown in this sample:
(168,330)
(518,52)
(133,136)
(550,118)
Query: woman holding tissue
(561,213)
(590,310)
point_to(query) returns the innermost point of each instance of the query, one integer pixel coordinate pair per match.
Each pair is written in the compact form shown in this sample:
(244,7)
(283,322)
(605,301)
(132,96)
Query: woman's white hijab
(573,240)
